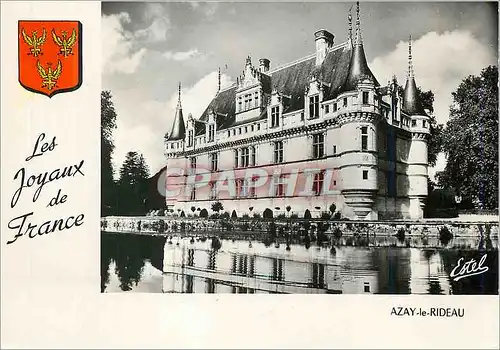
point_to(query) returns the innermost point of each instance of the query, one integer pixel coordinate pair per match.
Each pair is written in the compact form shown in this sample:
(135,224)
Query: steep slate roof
(291,80)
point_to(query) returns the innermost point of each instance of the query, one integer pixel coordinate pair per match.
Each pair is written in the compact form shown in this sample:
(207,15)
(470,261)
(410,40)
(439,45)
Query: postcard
(159,157)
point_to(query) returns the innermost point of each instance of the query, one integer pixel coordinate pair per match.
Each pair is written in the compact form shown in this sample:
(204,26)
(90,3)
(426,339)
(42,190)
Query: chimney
(324,41)
(264,64)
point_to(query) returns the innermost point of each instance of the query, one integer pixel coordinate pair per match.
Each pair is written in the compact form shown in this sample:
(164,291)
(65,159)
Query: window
(193,194)
(246,129)
(213,190)
(214,160)
(365,174)
(302,116)
(278,152)
(365,97)
(244,157)
(364,138)
(335,107)
(251,188)
(318,183)
(235,158)
(252,155)
(244,188)
(251,127)
(334,149)
(345,101)
(366,287)
(256,99)
(327,109)
(314,107)
(240,104)
(258,126)
(275,116)
(190,138)
(211,132)
(424,123)
(279,187)
(234,132)
(228,133)
(318,145)
(192,162)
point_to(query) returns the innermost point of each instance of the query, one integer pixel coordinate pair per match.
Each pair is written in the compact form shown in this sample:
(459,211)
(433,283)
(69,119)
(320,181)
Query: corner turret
(358,68)
(411,101)
(178,131)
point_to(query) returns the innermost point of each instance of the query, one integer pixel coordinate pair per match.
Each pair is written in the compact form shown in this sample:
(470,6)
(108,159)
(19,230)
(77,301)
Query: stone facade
(317,131)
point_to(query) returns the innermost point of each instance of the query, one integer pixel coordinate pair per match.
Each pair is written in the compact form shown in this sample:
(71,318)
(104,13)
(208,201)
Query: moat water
(148,264)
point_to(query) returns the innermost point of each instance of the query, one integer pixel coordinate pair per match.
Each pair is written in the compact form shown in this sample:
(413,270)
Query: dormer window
(211,132)
(275,116)
(314,107)
(190,138)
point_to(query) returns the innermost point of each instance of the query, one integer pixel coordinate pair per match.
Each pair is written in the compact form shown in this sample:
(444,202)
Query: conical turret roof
(411,101)
(358,67)
(178,131)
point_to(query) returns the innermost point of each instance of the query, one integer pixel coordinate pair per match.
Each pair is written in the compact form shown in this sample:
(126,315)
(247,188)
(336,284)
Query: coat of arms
(50,56)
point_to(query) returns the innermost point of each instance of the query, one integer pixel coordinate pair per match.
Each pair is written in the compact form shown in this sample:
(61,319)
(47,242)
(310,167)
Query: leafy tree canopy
(470,141)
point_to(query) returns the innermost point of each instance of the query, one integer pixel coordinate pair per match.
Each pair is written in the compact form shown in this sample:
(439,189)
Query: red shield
(50,56)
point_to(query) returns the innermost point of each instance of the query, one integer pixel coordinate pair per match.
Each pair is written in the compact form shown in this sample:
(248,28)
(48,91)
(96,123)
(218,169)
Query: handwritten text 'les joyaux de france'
(23,224)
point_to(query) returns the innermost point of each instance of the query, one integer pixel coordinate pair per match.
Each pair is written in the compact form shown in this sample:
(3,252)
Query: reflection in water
(151,264)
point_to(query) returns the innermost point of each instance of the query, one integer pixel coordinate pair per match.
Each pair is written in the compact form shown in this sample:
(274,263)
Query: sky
(148,48)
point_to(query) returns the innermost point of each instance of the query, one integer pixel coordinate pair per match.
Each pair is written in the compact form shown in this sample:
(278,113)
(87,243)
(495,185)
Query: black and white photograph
(299,148)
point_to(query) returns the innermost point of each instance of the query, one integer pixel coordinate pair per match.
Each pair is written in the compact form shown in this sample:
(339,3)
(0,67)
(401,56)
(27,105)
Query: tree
(470,141)
(435,143)
(132,185)
(108,124)
(217,207)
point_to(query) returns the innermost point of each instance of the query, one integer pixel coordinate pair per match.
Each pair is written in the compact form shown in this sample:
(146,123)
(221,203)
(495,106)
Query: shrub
(281,216)
(401,235)
(337,233)
(294,216)
(203,213)
(183,215)
(193,209)
(245,216)
(234,215)
(337,216)
(325,215)
(332,208)
(268,214)
(217,207)
(256,216)
(445,235)
(288,208)
(225,215)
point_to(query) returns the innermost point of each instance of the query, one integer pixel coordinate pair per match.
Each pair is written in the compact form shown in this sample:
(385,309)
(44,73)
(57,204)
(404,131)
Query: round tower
(417,157)
(359,125)
(176,165)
